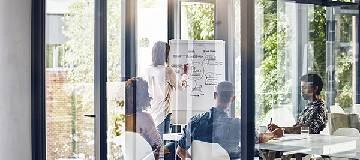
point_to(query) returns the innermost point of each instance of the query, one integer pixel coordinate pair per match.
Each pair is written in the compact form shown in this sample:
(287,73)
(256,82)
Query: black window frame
(38,118)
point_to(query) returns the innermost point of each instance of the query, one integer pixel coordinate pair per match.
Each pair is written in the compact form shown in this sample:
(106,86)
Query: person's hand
(278,132)
(272,127)
(265,137)
(183,81)
(166,151)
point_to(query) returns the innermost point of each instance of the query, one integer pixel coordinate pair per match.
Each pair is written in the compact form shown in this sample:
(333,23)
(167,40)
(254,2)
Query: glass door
(69,79)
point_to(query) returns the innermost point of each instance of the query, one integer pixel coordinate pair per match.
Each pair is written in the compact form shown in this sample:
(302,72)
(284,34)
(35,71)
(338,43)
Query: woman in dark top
(314,115)
(137,101)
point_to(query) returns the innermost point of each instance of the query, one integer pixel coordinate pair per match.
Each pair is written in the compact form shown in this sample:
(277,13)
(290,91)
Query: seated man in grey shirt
(215,126)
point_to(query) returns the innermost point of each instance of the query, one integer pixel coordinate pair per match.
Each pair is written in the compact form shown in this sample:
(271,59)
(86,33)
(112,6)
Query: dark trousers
(164,127)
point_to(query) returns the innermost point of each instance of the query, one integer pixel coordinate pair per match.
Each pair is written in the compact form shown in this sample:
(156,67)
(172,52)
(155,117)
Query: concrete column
(15,81)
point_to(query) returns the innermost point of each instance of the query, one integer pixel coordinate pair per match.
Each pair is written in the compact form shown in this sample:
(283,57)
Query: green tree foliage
(271,87)
(268,85)
(344,79)
(318,37)
(344,63)
(201,21)
(114,39)
(79,29)
(343,59)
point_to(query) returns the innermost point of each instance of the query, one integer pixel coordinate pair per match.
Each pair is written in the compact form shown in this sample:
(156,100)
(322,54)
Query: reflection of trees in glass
(201,21)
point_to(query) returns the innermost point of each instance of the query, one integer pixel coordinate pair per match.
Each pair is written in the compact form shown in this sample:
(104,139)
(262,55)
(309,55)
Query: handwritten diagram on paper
(203,61)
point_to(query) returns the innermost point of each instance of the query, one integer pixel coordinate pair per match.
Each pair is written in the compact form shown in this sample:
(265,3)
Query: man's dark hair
(315,81)
(225,90)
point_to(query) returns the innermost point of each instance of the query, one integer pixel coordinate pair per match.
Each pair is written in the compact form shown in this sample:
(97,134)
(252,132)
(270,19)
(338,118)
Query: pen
(270,120)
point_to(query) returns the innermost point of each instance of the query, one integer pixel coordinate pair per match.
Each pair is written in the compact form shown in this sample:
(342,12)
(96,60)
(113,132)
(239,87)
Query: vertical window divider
(247,79)
(130,54)
(171,19)
(100,79)
(357,61)
(38,116)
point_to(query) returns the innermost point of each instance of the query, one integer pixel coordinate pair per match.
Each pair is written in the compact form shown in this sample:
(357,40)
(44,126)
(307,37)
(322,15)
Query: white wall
(15,79)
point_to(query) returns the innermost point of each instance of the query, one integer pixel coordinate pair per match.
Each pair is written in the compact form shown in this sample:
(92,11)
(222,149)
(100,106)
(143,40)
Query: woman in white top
(162,83)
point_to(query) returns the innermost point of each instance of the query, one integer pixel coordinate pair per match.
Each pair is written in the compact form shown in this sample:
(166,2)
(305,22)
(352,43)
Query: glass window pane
(152,27)
(323,45)
(306,57)
(237,50)
(345,51)
(69,79)
(115,86)
(197,21)
(275,71)
(182,88)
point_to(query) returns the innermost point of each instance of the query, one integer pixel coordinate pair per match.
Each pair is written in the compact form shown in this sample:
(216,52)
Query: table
(172,136)
(326,145)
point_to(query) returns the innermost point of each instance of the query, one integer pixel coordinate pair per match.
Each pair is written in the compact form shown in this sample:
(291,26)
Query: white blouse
(161,80)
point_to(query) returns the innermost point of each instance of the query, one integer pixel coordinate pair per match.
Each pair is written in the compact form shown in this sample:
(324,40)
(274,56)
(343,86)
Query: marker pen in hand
(270,126)
(184,76)
(186,68)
